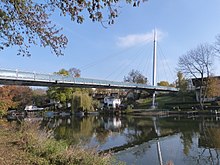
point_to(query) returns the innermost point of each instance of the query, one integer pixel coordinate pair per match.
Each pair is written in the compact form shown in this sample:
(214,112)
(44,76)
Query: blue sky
(111,53)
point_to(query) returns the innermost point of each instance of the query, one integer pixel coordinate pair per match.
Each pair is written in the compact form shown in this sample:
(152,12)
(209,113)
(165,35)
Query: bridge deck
(11,77)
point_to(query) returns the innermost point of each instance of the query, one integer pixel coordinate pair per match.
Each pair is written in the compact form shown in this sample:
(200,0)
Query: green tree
(60,94)
(40,97)
(27,22)
(79,97)
(181,83)
(62,72)
(82,101)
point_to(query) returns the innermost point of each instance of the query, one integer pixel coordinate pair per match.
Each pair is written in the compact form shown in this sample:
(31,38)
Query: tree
(217,44)
(61,94)
(62,72)
(134,76)
(163,83)
(16,97)
(6,101)
(74,72)
(22,96)
(39,97)
(78,96)
(82,101)
(213,89)
(181,82)
(197,63)
(27,22)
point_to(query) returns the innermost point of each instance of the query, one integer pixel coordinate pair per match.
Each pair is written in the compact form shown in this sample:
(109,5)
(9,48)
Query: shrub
(47,150)
(2,113)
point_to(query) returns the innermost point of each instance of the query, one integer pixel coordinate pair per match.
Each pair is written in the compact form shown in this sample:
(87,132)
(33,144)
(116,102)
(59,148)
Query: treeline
(17,97)
(78,99)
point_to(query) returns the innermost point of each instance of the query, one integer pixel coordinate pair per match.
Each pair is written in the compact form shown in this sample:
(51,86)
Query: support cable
(125,66)
(172,73)
(108,57)
(129,65)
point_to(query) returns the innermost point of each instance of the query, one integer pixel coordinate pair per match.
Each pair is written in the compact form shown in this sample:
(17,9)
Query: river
(183,140)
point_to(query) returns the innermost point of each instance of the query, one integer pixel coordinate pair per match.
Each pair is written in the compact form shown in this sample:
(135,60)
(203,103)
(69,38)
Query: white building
(112,123)
(111,102)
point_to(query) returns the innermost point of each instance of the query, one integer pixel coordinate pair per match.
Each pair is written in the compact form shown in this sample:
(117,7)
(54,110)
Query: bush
(47,150)
(2,113)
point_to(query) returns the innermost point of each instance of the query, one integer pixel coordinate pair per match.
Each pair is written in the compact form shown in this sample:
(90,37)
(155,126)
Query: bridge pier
(154,68)
(153,106)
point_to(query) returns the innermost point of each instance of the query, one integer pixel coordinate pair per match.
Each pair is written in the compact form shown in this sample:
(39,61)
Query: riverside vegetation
(27,144)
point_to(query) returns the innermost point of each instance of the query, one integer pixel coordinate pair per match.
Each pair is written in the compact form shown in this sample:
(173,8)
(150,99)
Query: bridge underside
(10,77)
(62,84)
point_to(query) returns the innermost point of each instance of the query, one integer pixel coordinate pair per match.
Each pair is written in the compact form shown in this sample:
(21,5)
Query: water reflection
(137,140)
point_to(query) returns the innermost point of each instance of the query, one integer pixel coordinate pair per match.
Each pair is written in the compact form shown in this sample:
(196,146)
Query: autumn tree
(213,89)
(16,97)
(197,63)
(27,22)
(163,83)
(74,72)
(181,82)
(6,99)
(22,95)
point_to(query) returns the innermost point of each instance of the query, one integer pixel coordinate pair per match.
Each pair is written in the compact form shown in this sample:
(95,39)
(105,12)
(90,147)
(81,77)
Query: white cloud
(135,39)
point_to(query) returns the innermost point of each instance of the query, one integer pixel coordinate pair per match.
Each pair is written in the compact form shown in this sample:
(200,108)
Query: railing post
(16,73)
(34,75)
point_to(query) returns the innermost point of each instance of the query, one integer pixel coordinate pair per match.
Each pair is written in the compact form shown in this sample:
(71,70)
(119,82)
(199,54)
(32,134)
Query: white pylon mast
(155,59)
(154,66)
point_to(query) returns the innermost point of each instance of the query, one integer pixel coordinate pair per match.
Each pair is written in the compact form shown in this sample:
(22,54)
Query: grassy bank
(26,144)
(164,101)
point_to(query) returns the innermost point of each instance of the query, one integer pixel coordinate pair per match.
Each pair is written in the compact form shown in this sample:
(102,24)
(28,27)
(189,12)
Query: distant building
(194,85)
(111,102)
(190,85)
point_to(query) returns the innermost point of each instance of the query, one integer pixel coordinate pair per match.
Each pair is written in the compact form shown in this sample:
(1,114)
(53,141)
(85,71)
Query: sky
(111,53)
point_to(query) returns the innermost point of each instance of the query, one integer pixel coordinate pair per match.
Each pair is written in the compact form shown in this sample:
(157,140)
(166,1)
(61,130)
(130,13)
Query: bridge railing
(15,74)
(8,73)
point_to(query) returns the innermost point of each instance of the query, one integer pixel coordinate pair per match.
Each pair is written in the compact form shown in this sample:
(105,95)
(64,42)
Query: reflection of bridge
(15,77)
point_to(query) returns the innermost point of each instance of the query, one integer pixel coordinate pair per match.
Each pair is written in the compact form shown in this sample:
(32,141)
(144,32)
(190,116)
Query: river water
(183,140)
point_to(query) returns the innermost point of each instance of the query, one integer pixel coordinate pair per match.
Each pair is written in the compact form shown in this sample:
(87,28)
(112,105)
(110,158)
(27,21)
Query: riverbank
(177,104)
(165,112)
(25,144)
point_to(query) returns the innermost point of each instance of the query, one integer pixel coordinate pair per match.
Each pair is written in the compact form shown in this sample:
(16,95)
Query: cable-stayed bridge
(15,77)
